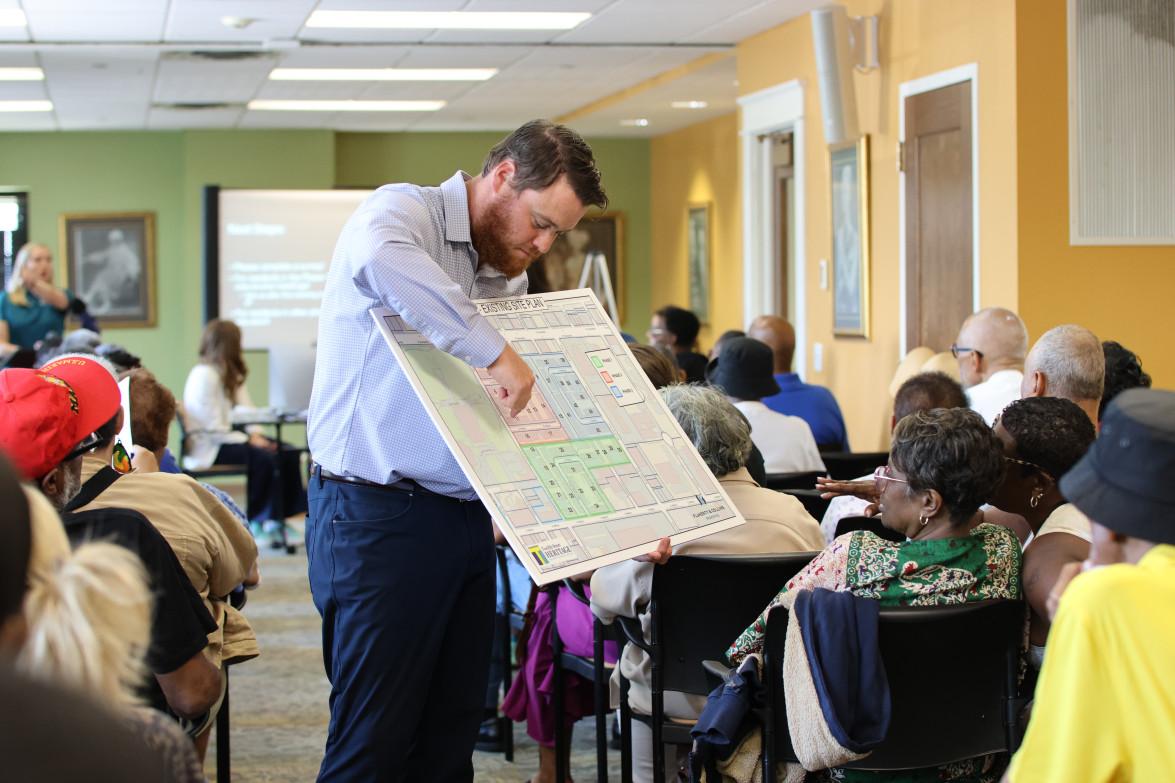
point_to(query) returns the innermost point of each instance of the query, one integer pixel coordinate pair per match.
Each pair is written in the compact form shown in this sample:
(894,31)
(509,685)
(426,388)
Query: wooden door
(936,158)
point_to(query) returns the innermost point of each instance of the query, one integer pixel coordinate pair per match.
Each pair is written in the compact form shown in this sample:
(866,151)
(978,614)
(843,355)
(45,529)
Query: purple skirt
(531,697)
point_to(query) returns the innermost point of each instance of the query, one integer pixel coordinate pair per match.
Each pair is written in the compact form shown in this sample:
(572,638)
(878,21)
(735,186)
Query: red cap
(45,413)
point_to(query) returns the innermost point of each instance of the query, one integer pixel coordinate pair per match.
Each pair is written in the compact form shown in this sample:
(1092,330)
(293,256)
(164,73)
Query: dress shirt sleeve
(390,263)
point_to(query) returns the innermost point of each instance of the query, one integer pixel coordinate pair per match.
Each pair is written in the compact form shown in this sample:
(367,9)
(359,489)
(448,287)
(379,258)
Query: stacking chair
(213,471)
(805,480)
(848,465)
(813,503)
(699,606)
(872,524)
(509,624)
(960,662)
(593,669)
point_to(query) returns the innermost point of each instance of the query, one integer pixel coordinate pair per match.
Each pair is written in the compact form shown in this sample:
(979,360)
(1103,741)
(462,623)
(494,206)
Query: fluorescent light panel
(689,104)
(449,20)
(382,74)
(21,75)
(635,122)
(12,17)
(268,105)
(26,106)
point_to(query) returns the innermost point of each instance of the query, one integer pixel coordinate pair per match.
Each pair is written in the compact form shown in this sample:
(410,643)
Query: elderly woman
(32,306)
(943,464)
(775,524)
(1043,437)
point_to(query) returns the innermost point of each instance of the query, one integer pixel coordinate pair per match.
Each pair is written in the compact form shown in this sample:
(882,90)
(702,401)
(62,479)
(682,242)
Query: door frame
(774,109)
(963,73)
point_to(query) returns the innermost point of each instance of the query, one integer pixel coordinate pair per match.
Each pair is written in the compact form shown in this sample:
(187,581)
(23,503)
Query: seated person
(922,392)
(46,425)
(89,627)
(775,524)
(743,373)
(677,329)
(814,404)
(215,389)
(39,720)
(1103,708)
(1043,437)
(942,465)
(990,351)
(729,334)
(31,307)
(1067,361)
(1123,371)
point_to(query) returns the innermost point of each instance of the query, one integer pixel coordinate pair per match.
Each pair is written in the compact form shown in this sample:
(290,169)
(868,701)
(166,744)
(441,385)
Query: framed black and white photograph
(110,265)
(562,267)
(698,243)
(850,238)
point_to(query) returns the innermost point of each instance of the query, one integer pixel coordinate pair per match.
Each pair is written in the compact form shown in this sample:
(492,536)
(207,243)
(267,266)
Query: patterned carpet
(279,700)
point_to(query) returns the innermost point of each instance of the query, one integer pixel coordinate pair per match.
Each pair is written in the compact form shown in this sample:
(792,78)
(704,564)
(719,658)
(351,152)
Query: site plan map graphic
(595,470)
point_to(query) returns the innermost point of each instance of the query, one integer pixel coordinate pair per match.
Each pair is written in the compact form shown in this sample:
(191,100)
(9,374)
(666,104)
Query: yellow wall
(918,38)
(1121,293)
(696,165)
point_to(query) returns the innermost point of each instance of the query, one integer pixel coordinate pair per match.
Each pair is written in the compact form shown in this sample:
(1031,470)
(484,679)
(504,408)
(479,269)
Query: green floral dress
(980,566)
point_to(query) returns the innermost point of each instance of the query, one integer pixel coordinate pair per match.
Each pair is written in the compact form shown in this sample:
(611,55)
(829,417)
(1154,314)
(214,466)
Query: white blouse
(208,416)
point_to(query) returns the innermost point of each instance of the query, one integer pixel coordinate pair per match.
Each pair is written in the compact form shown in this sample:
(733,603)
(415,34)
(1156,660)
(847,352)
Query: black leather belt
(403,485)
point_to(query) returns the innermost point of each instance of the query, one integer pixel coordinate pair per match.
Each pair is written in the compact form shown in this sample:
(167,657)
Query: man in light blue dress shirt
(400,549)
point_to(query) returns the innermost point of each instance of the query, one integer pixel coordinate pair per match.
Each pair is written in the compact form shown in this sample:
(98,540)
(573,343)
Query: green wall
(165,173)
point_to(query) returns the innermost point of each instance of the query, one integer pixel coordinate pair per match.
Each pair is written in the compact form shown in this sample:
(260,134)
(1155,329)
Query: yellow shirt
(1105,702)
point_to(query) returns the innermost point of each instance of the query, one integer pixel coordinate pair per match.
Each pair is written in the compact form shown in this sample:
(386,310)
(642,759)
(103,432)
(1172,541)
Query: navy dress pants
(404,581)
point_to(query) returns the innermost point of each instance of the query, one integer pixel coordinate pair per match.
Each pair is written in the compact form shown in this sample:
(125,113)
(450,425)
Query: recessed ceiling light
(635,122)
(689,104)
(382,74)
(450,20)
(26,105)
(12,17)
(21,75)
(264,105)
(237,22)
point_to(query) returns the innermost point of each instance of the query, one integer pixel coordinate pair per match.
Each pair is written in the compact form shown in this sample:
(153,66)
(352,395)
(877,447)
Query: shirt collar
(456,200)
(787,379)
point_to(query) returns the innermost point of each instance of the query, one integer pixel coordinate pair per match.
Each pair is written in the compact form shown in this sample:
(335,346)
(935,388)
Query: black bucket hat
(744,369)
(1124,481)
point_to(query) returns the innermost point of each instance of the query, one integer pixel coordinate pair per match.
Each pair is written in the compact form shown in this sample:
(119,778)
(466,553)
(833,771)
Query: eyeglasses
(957,349)
(882,474)
(1033,465)
(88,444)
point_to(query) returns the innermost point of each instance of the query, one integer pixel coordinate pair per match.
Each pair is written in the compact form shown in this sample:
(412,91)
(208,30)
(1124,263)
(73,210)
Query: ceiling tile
(177,119)
(184,78)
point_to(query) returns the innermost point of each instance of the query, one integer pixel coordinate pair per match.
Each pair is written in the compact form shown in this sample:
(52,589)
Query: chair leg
(223,764)
(601,697)
(625,733)
(561,739)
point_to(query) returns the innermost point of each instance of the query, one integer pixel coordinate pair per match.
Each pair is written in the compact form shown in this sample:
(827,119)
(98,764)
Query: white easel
(595,266)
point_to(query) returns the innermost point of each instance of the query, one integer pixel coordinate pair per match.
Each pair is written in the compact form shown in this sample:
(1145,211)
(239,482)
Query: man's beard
(491,248)
(71,485)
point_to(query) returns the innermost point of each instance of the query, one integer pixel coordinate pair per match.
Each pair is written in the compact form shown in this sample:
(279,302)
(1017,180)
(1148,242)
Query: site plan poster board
(596,469)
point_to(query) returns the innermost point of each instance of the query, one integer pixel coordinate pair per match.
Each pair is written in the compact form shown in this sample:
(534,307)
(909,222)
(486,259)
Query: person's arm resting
(193,688)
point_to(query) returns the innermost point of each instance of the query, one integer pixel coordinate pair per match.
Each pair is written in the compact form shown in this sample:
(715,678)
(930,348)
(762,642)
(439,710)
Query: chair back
(872,524)
(813,503)
(805,480)
(701,604)
(848,465)
(952,674)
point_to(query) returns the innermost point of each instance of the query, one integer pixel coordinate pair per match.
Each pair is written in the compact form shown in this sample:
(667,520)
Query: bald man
(990,350)
(1068,362)
(813,404)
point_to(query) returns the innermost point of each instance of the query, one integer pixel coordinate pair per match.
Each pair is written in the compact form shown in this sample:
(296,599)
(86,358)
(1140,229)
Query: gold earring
(1034,501)
(924,521)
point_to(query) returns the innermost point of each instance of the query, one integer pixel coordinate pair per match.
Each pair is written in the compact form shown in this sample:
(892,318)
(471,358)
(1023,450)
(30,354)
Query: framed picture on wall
(560,269)
(110,265)
(850,237)
(698,244)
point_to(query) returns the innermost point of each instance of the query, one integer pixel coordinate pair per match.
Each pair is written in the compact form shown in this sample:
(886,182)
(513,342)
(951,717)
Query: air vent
(220,55)
(196,106)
